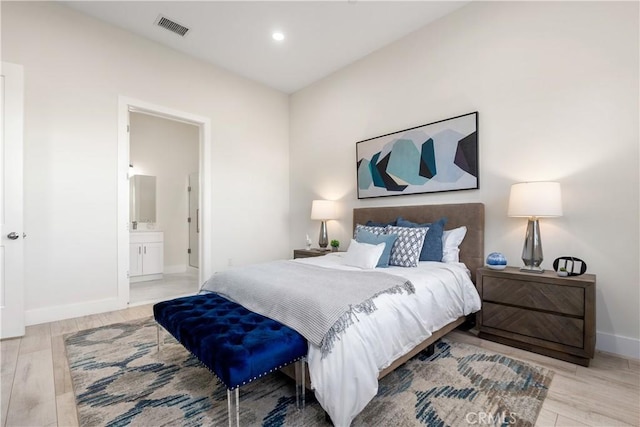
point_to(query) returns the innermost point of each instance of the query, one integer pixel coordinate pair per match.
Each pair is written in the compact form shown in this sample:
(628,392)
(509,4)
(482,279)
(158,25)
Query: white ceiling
(321,36)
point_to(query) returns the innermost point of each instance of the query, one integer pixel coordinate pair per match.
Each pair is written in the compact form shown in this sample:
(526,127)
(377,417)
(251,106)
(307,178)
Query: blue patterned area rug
(120,379)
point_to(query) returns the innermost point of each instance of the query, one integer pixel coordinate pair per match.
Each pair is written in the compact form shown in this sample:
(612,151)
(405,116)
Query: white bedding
(346,380)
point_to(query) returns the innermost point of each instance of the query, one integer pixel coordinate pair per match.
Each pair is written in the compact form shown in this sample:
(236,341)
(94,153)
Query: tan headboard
(469,214)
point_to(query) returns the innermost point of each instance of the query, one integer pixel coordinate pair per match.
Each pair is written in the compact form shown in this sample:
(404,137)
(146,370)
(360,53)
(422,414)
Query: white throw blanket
(347,379)
(319,303)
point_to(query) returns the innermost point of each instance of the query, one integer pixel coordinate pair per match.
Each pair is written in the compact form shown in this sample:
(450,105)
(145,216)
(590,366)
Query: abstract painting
(439,156)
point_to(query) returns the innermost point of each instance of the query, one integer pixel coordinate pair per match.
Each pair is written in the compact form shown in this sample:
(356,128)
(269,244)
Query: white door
(11,199)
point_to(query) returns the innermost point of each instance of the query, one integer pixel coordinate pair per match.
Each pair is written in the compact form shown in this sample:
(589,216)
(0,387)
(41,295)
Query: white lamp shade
(535,199)
(323,210)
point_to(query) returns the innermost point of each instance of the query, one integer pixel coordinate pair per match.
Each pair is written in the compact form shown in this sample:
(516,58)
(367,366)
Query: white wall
(75,69)
(168,150)
(556,87)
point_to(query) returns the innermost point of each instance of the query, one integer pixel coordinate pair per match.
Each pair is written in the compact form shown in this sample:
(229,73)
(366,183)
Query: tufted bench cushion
(236,344)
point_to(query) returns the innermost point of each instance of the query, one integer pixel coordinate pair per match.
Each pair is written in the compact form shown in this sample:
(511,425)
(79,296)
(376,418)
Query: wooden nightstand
(543,313)
(308,253)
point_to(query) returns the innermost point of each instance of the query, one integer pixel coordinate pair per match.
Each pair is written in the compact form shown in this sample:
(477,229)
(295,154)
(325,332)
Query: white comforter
(347,379)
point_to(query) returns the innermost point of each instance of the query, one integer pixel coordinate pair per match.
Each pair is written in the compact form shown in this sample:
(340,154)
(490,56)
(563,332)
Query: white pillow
(363,255)
(451,239)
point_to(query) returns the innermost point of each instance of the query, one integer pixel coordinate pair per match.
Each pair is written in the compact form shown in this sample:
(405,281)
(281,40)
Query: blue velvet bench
(236,344)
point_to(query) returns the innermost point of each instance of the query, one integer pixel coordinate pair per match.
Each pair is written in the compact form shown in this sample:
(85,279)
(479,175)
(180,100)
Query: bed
(346,379)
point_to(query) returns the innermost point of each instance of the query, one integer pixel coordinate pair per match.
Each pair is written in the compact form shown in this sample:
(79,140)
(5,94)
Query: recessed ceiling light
(278,36)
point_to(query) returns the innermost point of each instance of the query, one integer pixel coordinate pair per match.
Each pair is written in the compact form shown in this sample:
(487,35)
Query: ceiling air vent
(172,26)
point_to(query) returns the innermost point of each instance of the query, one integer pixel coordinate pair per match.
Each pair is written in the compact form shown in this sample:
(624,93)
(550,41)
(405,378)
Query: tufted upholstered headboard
(469,214)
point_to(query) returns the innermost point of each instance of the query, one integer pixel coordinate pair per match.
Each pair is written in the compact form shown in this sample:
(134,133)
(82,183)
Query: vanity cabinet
(146,255)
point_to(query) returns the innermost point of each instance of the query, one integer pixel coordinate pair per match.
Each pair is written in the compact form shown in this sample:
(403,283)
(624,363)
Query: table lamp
(534,200)
(323,210)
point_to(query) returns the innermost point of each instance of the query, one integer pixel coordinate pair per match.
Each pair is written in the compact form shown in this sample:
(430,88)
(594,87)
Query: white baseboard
(173,269)
(616,344)
(61,312)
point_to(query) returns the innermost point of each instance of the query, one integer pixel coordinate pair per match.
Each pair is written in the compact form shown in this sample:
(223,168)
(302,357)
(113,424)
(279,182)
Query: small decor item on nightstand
(496,261)
(308,241)
(335,244)
(569,266)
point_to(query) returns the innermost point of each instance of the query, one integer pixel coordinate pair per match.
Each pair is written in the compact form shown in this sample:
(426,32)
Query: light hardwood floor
(36,387)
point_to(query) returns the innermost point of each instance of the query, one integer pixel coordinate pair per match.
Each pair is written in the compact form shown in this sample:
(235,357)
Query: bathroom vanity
(146,245)
(146,255)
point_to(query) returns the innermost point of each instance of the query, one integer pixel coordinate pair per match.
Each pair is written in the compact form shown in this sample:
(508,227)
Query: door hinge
(189,250)
(127,128)
(189,188)
(189,219)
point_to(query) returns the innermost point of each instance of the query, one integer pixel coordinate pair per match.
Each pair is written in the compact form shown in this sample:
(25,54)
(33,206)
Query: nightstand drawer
(309,253)
(540,296)
(546,326)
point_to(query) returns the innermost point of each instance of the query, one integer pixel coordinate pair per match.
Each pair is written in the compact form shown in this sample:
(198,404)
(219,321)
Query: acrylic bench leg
(233,405)
(300,386)
(160,337)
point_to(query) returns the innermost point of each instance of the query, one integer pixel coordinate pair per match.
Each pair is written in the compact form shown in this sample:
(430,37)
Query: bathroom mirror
(142,198)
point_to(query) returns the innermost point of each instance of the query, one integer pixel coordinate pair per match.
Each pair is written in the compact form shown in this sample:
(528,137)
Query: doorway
(127,107)
(162,153)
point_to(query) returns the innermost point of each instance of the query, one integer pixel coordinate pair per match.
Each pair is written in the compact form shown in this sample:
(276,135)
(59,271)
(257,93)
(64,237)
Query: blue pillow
(432,247)
(370,228)
(380,224)
(364,236)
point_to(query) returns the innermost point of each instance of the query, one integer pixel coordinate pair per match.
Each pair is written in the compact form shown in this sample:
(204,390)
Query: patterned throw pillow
(432,246)
(406,249)
(370,228)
